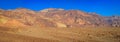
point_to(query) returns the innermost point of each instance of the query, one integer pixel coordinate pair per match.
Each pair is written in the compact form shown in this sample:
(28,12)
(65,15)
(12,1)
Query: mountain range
(53,17)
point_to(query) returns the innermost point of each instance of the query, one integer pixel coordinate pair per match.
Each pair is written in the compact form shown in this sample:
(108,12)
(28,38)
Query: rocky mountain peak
(51,9)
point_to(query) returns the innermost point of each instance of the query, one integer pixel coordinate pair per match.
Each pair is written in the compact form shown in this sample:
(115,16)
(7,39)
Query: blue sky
(102,7)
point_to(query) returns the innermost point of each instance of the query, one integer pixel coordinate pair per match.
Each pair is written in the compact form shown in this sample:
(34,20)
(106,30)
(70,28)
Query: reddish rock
(53,17)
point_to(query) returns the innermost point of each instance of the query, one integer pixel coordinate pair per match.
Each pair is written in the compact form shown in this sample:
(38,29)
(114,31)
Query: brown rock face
(55,18)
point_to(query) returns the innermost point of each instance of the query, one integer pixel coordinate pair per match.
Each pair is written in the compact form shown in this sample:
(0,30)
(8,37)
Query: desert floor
(35,34)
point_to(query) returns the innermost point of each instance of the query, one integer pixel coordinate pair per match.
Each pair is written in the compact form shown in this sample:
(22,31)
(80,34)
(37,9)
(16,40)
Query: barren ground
(35,34)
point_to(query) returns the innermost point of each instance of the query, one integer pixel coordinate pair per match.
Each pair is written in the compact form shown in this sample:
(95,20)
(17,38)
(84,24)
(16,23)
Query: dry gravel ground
(35,34)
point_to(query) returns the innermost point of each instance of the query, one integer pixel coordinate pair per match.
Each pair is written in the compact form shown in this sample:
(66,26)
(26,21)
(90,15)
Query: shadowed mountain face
(55,18)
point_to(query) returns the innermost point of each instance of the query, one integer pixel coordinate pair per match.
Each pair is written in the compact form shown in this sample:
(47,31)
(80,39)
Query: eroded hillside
(52,17)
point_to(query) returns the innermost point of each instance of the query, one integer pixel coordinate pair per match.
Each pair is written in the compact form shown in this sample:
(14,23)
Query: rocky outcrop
(115,21)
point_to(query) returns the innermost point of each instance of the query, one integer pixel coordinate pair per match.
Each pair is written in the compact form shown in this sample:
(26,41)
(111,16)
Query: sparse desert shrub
(117,36)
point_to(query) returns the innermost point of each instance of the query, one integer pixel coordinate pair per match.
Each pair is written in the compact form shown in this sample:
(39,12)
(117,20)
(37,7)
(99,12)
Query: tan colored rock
(61,25)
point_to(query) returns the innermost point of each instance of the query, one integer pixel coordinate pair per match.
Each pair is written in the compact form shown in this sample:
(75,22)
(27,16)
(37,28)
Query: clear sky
(102,7)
